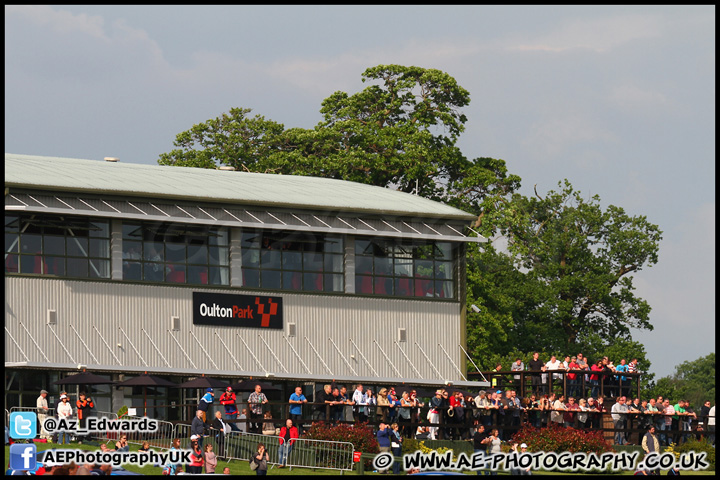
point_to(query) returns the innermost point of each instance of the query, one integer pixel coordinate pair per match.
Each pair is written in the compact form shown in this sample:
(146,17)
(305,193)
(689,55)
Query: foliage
(564,284)
(696,446)
(123,411)
(693,381)
(410,445)
(558,439)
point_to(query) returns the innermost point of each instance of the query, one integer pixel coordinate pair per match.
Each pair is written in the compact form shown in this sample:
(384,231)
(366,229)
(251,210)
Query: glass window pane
(11,264)
(292,260)
(249,239)
(312,282)
(54,245)
(424,287)
(383,265)
(444,270)
(198,254)
(30,264)
(131,250)
(219,276)
(270,258)
(154,272)
(363,284)
(362,247)
(197,275)
(77,246)
(100,247)
(30,243)
(292,281)
(424,268)
(221,237)
(250,258)
(383,286)
(312,261)
(31,226)
(444,251)
(99,268)
(334,283)
(363,264)
(404,287)
(131,231)
(404,267)
(270,279)
(12,223)
(132,271)
(153,251)
(77,267)
(12,242)
(175,252)
(333,263)
(333,245)
(100,228)
(251,277)
(56,265)
(444,289)
(175,273)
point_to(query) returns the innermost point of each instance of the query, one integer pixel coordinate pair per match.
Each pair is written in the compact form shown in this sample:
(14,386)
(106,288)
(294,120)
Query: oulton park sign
(252,311)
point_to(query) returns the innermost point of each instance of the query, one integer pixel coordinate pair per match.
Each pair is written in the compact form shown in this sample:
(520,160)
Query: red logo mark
(272,307)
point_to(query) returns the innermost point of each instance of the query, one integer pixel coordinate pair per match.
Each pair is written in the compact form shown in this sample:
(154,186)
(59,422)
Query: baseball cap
(499,391)
(523,445)
(63,396)
(229,389)
(209,390)
(194,437)
(43,391)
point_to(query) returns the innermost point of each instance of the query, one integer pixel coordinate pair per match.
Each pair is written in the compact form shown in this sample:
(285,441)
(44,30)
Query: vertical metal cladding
(129,325)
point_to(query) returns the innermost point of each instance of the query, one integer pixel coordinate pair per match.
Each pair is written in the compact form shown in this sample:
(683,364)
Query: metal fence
(160,439)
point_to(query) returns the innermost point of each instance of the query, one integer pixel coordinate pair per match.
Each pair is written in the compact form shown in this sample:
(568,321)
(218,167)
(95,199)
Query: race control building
(126,268)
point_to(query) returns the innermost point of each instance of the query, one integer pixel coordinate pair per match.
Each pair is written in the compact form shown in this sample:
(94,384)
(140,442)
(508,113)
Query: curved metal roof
(197,184)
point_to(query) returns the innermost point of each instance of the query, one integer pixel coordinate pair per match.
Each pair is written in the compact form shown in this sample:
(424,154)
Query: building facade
(126,268)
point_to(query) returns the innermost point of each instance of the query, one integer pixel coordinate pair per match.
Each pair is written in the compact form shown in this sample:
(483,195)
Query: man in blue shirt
(205,403)
(622,380)
(383,438)
(296,401)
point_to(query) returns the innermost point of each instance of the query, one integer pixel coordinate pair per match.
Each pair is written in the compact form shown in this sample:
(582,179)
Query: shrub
(558,439)
(359,434)
(696,446)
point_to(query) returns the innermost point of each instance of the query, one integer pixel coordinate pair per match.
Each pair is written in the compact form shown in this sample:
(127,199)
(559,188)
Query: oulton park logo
(251,311)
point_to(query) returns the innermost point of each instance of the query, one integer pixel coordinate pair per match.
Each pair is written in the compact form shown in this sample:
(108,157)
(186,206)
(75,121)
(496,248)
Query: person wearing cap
(483,412)
(205,403)
(436,404)
(383,439)
(229,401)
(519,470)
(42,411)
(64,411)
(196,457)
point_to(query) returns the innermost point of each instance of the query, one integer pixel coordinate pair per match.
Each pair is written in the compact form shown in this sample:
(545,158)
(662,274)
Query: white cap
(194,437)
(63,396)
(523,445)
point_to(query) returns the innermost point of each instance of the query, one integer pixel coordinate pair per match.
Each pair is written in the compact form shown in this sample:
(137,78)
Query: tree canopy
(564,280)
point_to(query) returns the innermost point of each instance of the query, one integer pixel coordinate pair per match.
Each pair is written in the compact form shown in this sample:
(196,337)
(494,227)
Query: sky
(620,100)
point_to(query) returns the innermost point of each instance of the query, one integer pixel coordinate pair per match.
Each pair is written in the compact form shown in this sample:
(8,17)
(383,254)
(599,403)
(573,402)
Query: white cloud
(599,35)
(59,21)
(551,137)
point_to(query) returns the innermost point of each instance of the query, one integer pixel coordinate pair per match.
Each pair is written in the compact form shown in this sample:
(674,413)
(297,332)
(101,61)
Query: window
(403,269)
(173,253)
(297,261)
(63,246)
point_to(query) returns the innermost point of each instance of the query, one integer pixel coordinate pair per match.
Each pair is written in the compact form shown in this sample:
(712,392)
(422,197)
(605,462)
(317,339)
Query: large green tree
(564,279)
(564,283)
(693,381)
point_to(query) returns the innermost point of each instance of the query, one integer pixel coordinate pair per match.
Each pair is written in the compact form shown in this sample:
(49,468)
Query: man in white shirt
(711,425)
(42,411)
(554,364)
(619,416)
(358,399)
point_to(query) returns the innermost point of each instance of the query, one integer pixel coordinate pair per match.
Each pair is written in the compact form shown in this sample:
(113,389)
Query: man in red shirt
(288,434)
